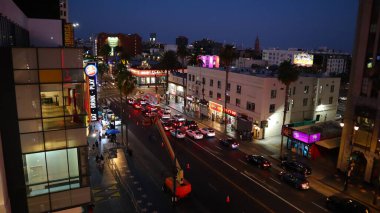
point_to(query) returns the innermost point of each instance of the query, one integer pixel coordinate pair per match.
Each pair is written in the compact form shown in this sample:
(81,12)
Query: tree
(227,56)
(182,53)
(126,83)
(287,74)
(169,63)
(102,68)
(105,51)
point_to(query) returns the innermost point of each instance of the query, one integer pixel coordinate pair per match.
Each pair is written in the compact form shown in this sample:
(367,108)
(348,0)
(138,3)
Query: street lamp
(76,24)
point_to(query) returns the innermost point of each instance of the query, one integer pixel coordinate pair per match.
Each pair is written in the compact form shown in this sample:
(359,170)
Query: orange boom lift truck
(178,186)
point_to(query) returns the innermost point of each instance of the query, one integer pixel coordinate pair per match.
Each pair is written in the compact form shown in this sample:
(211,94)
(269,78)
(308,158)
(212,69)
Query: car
(179,117)
(150,114)
(165,115)
(143,102)
(341,204)
(177,124)
(137,105)
(152,107)
(105,109)
(297,167)
(105,123)
(166,120)
(294,179)
(209,132)
(167,110)
(167,126)
(177,133)
(110,114)
(131,101)
(188,124)
(194,134)
(259,161)
(229,142)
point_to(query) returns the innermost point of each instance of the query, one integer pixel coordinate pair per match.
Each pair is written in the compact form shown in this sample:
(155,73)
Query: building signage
(215,106)
(230,112)
(68,30)
(303,59)
(92,90)
(304,137)
(147,72)
(287,131)
(91,70)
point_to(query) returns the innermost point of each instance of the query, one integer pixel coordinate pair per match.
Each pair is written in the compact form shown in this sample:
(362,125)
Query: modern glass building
(43,92)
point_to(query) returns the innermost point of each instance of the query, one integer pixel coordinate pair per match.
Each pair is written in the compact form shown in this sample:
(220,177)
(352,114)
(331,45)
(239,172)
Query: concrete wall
(45,32)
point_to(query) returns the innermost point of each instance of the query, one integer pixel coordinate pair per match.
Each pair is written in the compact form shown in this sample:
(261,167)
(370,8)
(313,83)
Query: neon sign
(216,107)
(230,112)
(91,72)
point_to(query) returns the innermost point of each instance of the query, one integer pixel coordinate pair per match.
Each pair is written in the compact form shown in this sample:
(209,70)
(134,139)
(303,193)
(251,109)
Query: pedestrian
(100,137)
(97,158)
(93,147)
(96,144)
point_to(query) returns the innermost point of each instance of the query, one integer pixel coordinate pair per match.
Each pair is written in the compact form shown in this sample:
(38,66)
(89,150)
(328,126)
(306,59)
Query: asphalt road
(215,172)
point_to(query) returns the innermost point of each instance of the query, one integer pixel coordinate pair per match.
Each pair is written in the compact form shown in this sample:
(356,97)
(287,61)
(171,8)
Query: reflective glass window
(33,142)
(28,101)
(25,76)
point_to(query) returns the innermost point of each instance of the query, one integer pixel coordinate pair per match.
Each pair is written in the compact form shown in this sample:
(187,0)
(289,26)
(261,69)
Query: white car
(167,110)
(194,134)
(209,132)
(105,123)
(179,133)
(110,114)
(165,115)
(179,117)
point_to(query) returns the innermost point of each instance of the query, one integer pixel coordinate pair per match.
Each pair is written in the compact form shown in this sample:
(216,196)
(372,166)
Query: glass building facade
(51,91)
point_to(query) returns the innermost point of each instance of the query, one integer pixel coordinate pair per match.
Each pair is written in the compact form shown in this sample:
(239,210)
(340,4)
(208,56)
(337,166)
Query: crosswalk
(109,86)
(114,99)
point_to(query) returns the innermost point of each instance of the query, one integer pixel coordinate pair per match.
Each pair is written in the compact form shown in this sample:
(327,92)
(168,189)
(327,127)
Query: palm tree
(105,51)
(227,56)
(170,63)
(182,53)
(287,74)
(126,84)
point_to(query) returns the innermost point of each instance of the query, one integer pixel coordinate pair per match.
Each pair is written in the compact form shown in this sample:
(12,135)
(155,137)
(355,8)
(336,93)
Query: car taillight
(305,185)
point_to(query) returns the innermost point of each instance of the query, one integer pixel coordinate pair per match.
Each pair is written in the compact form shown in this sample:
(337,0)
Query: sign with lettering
(92,90)
(215,106)
(230,112)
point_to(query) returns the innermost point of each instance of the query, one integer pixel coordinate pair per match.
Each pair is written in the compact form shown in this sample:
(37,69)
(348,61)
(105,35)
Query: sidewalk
(325,179)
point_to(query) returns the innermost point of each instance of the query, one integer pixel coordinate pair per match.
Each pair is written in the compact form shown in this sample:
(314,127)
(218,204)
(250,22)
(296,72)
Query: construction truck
(178,186)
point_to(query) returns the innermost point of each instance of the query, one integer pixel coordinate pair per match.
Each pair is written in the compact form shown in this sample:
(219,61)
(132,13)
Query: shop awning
(329,143)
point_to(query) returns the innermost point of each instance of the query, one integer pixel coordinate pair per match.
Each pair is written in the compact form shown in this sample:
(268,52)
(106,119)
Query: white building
(64,10)
(276,56)
(259,99)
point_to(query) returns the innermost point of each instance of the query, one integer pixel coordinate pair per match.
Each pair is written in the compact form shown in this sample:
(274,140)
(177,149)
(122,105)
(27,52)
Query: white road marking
(213,187)
(243,162)
(213,155)
(320,207)
(275,181)
(279,197)
(218,147)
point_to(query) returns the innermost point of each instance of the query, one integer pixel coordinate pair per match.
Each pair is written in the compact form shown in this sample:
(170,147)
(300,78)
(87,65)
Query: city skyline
(310,25)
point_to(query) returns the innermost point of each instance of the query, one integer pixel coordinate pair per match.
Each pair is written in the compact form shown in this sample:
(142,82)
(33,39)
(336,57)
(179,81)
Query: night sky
(279,23)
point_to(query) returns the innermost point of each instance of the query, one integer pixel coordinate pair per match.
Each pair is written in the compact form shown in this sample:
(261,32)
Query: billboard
(68,35)
(303,59)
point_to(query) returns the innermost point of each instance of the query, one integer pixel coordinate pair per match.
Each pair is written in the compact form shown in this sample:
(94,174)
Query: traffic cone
(188,166)
(228,199)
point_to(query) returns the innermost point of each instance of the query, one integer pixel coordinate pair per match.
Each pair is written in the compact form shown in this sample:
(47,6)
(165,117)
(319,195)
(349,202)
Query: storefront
(149,77)
(176,93)
(231,119)
(216,114)
(301,143)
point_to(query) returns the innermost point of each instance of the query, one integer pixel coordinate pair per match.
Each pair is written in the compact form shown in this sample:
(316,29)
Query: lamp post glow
(76,24)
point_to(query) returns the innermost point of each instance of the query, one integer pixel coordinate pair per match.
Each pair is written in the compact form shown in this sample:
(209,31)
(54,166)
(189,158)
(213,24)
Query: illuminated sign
(303,59)
(287,131)
(215,106)
(91,70)
(138,72)
(304,137)
(68,32)
(230,112)
(210,61)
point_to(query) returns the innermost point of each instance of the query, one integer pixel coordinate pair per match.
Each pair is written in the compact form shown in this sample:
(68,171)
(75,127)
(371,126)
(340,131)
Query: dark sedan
(341,204)
(297,167)
(294,179)
(229,142)
(258,161)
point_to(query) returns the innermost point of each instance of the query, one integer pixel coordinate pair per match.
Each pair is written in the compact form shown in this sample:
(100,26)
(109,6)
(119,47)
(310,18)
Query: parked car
(208,132)
(177,133)
(179,117)
(346,205)
(259,161)
(229,142)
(297,167)
(194,134)
(294,179)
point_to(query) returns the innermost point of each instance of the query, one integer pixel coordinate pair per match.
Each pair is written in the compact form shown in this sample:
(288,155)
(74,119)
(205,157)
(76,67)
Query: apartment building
(360,137)
(258,97)
(276,56)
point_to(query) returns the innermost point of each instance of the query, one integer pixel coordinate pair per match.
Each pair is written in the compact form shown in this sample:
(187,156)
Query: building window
(238,89)
(189,77)
(331,100)
(332,88)
(272,108)
(203,81)
(211,82)
(273,93)
(218,96)
(294,90)
(305,102)
(320,89)
(228,87)
(228,99)
(237,102)
(210,94)
(306,90)
(250,106)
(219,84)
(319,101)
(193,77)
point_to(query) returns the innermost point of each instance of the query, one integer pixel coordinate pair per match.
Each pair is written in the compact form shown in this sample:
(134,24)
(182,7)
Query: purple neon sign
(304,137)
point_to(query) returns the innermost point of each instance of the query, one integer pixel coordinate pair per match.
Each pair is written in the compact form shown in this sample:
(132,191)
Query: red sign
(215,106)
(230,112)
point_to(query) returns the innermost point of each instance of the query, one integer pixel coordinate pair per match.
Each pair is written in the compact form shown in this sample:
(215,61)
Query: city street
(215,174)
